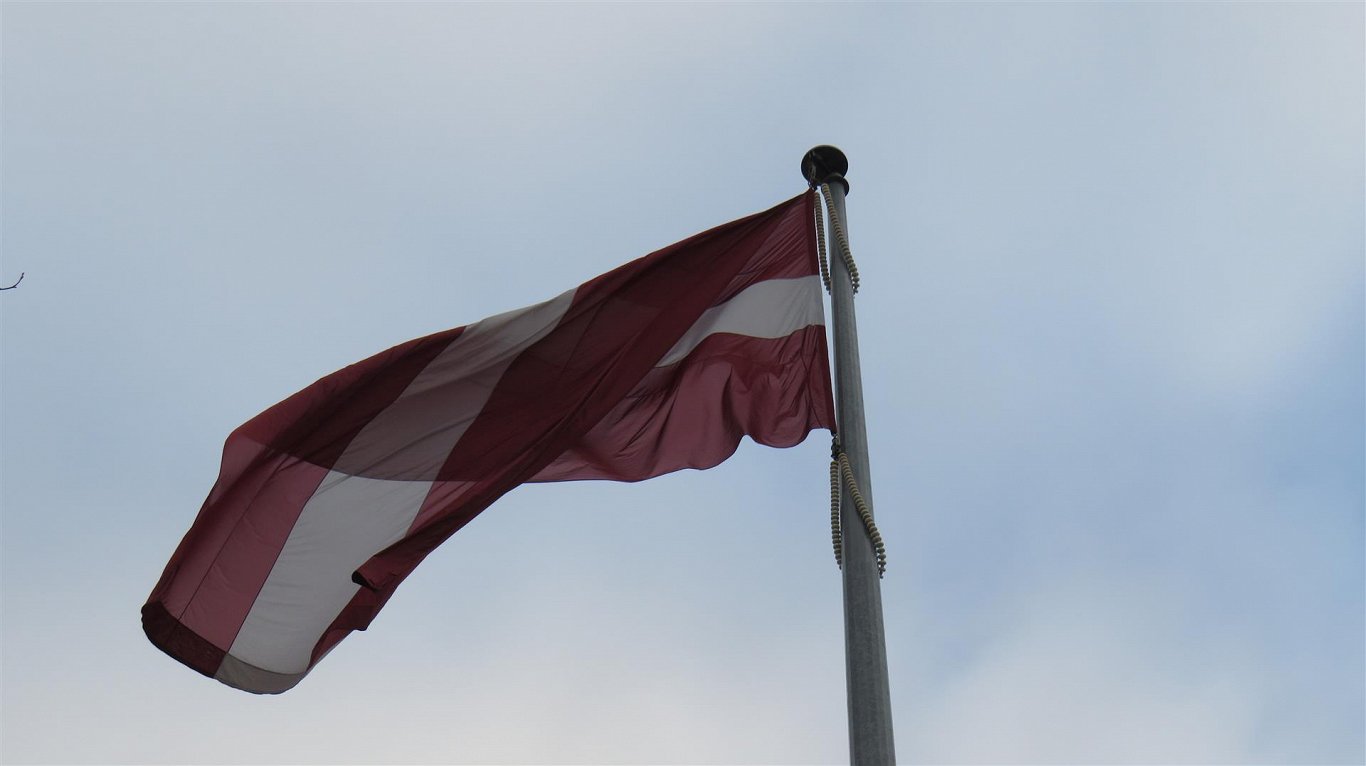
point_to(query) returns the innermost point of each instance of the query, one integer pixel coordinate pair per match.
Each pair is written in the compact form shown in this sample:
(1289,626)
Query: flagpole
(865,647)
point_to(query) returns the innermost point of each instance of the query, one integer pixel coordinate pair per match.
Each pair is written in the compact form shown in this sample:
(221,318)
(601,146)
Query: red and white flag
(328,500)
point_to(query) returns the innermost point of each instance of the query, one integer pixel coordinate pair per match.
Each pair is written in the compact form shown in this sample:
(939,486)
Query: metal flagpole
(865,648)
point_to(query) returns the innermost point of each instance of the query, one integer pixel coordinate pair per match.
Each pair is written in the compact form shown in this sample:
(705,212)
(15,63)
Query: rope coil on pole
(836,536)
(820,246)
(846,254)
(840,468)
(839,465)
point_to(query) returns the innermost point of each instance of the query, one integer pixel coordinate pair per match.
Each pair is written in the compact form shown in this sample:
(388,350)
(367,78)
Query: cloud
(1097,676)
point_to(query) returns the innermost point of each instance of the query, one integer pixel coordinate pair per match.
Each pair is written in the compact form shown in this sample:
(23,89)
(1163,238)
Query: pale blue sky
(1112,323)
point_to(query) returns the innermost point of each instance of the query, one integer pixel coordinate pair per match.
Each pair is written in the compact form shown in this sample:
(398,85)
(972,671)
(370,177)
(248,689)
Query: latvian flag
(326,501)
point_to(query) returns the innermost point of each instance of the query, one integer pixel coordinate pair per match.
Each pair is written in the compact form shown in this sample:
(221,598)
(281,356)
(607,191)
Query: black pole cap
(825,163)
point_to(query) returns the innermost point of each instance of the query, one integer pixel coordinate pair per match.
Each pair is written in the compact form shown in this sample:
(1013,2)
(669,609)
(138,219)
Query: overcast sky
(1112,324)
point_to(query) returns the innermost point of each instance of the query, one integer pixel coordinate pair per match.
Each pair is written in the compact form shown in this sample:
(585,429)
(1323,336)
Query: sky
(1112,321)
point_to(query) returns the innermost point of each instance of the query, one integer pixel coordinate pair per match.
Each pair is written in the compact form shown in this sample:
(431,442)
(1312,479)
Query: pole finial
(825,163)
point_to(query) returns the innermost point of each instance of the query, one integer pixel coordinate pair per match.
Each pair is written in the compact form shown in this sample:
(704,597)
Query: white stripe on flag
(347,521)
(405,441)
(352,517)
(772,309)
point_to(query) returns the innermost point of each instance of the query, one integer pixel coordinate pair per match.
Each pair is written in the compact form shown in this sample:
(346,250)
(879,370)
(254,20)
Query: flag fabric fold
(328,500)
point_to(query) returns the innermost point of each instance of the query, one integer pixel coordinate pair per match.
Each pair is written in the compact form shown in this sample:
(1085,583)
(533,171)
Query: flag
(326,501)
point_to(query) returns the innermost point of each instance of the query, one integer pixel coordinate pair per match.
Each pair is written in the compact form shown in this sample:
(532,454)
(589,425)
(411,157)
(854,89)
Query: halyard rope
(839,464)
(840,467)
(820,246)
(836,537)
(846,254)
